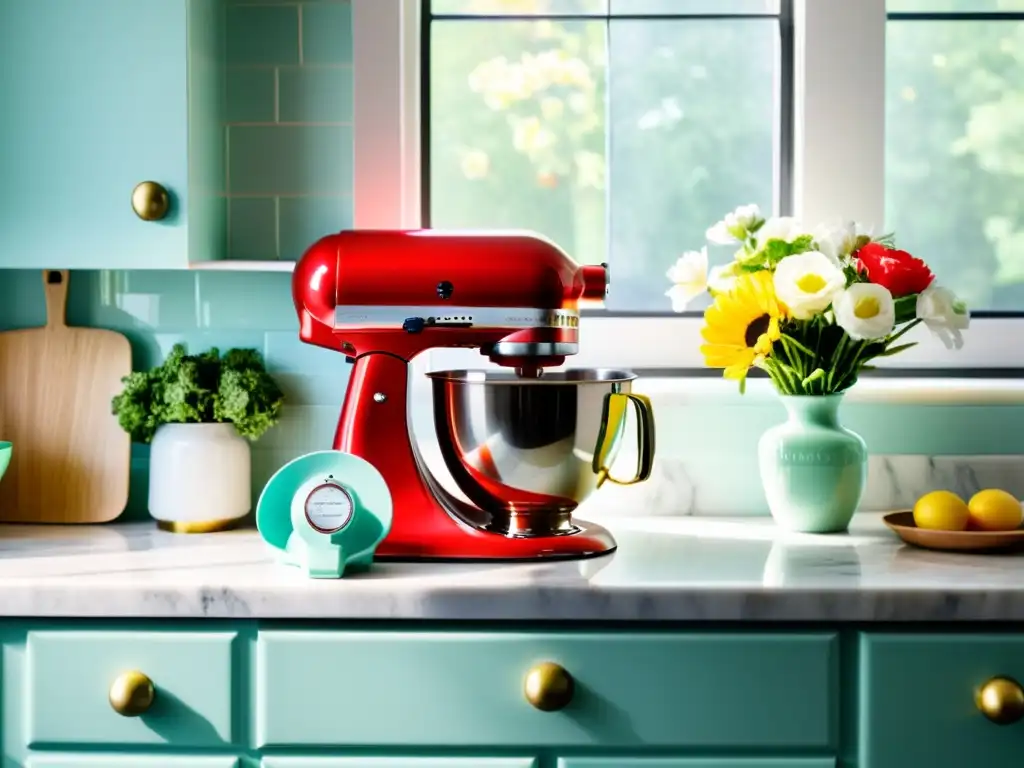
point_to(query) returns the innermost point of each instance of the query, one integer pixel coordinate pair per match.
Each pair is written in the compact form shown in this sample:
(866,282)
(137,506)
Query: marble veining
(668,568)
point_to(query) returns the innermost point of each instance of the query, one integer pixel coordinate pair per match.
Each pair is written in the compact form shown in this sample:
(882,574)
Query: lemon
(941,511)
(994,510)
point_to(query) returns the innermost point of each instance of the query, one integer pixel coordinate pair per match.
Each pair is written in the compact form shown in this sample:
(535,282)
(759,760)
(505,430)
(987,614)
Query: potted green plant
(199,413)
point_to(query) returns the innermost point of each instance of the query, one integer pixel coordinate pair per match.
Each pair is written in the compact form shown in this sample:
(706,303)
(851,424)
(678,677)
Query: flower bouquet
(812,308)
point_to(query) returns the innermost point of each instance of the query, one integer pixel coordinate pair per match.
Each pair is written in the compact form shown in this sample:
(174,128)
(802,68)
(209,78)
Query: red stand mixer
(381,297)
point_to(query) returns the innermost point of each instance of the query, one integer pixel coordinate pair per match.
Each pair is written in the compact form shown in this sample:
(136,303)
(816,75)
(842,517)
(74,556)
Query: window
(620,130)
(623,128)
(954,165)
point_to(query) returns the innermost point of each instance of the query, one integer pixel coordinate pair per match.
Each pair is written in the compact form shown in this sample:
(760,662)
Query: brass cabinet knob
(1001,700)
(150,201)
(549,687)
(132,694)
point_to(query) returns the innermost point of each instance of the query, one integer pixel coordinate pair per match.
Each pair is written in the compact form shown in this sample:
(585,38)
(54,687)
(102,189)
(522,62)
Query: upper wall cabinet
(156,134)
(95,101)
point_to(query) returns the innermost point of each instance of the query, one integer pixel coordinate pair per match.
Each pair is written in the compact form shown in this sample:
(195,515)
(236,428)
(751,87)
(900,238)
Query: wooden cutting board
(71,459)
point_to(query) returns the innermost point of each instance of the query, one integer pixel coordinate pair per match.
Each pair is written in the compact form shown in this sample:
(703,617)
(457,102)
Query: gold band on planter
(198,526)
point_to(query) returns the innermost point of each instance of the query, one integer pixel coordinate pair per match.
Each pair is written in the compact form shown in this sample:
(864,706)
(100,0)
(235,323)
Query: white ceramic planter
(199,477)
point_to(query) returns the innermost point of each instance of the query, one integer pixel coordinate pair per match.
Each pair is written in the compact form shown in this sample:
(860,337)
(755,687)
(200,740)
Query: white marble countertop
(666,569)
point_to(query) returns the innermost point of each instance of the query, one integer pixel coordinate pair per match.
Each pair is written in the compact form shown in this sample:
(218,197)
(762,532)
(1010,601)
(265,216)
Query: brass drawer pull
(549,687)
(1001,700)
(150,201)
(132,694)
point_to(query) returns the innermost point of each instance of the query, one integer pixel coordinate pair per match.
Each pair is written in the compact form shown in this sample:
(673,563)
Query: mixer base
(463,544)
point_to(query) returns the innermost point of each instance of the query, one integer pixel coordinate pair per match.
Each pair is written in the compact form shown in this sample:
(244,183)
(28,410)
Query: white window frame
(838,170)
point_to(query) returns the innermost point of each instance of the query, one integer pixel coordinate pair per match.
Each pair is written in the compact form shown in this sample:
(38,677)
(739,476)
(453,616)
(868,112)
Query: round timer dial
(329,507)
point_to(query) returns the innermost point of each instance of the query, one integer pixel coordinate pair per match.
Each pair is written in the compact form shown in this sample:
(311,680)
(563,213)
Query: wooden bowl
(953,541)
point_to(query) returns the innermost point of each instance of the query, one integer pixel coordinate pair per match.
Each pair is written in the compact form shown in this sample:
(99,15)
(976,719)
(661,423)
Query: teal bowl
(5,455)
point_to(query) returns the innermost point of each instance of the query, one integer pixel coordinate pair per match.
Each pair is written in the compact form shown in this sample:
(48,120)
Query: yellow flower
(741,326)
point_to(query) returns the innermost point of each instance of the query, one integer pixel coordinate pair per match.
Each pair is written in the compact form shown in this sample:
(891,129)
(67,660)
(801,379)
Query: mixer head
(515,296)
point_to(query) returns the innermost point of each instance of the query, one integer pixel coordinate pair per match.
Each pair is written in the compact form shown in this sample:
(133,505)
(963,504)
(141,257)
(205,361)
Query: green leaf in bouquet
(895,350)
(816,374)
(853,276)
(906,309)
(775,251)
(803,348)
(752,266)
(802,244)
(873,349)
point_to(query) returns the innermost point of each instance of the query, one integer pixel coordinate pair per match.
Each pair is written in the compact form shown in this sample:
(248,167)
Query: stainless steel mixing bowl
(529,450)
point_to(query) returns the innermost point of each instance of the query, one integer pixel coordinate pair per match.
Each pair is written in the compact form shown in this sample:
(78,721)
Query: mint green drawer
(704,762)
(398,762)
(69,678)
(466,689)
(917,703)
(127,761)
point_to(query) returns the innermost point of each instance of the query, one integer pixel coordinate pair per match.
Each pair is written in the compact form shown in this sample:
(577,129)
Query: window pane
(517,129)
(519,7)
(518,136)
(693,107)
(684,7)
(955,154)
(954,6)
(603,7)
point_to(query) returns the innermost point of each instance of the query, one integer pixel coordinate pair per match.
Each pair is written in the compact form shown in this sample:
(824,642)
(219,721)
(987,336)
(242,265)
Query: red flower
(897,271)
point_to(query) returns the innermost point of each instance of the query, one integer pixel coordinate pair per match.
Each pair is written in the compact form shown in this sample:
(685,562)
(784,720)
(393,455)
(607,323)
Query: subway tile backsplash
(263,35)
(707,461)
(156,310)
(288,125)
(325,33)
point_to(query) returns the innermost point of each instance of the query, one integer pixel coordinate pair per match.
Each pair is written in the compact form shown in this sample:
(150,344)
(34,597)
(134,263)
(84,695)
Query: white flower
(735,226)
(865,311)
(943,314)
(689,276)
(807,282)
(784,228)
(722,278)
(839,242)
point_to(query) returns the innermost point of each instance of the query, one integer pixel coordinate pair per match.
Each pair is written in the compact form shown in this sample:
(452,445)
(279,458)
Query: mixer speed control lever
(413,324)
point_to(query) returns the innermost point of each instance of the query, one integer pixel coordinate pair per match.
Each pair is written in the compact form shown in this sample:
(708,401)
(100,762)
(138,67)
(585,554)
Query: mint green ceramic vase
(812,468)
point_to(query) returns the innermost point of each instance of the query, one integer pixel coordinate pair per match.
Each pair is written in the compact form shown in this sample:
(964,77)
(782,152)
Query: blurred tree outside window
(955,143)
(623,137)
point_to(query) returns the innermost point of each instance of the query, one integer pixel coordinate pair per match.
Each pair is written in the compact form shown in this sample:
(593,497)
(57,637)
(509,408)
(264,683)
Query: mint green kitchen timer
(325,512)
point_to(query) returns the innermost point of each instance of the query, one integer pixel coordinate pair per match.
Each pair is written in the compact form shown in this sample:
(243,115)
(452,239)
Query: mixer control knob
(445,290)
(413,324)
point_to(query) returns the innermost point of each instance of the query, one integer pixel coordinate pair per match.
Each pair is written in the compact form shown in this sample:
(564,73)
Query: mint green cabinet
(398,762)
(706,762)
(917,703)
(69,674)
(127,761)
(248,694)
(632,689)
(97,96)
